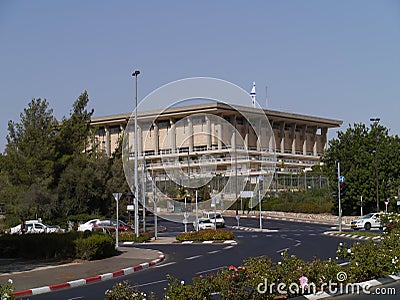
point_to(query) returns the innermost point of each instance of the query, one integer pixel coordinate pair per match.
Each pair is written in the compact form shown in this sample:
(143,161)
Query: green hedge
(206,235)
(57,245)
(96,246)
(130,236)
(39,246)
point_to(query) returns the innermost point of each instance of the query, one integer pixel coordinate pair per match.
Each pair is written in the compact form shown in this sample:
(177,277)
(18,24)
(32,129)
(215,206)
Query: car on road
(111,225)
(204,223)
(88,226)
(215,217)
(367,222)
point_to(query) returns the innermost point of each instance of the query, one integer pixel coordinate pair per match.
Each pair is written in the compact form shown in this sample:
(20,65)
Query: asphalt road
(187,261)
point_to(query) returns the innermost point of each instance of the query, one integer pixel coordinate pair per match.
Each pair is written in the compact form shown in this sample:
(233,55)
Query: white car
(88,226)
(215,218)
(367,222)
(204,223)
(34,226)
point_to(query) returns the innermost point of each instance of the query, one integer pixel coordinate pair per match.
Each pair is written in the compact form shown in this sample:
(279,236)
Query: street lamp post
(376,121)
(135,74)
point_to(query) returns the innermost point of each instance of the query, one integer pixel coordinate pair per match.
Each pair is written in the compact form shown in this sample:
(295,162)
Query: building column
(208,132)
(156,138)
(315,142)
(246,135)
(258,135)
(108,141)
(140,141)
(190,131)
(305,140)
(271,144)
(234,133)
(172,135)
(282,134)
(219,133)
(293,137)
(324,138)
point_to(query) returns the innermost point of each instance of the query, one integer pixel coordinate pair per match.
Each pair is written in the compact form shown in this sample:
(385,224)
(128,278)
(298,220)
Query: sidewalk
(31,278)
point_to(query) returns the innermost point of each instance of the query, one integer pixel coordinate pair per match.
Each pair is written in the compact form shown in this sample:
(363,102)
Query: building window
(101,131)
(115,129)
(276,126)
(239,121)
(163,124)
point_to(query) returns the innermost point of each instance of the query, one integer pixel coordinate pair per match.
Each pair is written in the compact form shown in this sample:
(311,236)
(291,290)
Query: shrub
(95,246)
(391,221)
(6,290)
(206,235)
(130,236)
(124,291)
(366,261)
(39,246)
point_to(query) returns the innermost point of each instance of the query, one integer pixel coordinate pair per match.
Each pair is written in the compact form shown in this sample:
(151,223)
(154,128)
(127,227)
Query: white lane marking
(213,252)
(344,264)
(228,247)
(298,244)
(166,264)
(154,282)
(193,257)
(282,250)
(210,270)
(75,298)
(254,236)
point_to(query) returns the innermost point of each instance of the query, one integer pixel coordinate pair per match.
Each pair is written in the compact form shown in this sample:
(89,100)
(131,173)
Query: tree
(29,154)
(82,186)
(356,149)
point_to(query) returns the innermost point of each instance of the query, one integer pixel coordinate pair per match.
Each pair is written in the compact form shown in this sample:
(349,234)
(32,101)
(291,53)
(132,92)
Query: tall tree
(357,150)
(29,153)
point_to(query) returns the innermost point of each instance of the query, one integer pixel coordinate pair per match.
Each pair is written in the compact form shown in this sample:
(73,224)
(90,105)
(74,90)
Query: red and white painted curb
(290,219)
(80,282)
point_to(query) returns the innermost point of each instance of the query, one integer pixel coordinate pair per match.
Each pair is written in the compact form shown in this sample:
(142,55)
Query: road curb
(352,236)
(362,286)
(290,219)
(81,282)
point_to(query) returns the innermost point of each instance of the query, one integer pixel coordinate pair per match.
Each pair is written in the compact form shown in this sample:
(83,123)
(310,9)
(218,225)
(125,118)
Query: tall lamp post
(376,121)
(136,202)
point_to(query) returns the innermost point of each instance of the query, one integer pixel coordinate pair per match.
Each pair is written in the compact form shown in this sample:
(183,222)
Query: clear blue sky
(336,59)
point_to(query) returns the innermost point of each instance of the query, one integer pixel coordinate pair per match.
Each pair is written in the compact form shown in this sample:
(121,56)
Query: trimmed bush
(206,235)
(130,236)
(39,246)
(95,246)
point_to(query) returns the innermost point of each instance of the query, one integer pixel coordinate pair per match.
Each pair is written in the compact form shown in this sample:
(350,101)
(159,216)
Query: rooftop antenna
(266,96)
(253,94)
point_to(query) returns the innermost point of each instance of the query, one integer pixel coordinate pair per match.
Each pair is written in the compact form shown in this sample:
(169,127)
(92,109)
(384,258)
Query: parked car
(34,226)
(215,218)
(204,223)
(111,225)
(88,226)
(367,222)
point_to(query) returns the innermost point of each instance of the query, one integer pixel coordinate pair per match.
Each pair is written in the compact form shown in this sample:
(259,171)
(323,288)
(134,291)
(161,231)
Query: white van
(215,218)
